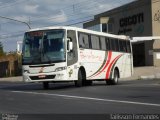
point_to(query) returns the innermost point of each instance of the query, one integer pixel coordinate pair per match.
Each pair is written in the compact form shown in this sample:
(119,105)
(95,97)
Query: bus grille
(39,78)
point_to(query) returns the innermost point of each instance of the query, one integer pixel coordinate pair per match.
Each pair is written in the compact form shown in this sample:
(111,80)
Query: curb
(12,79)
(156,76)
(149,77)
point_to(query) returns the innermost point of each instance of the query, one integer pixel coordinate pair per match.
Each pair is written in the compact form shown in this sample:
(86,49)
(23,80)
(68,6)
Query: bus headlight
(60,69)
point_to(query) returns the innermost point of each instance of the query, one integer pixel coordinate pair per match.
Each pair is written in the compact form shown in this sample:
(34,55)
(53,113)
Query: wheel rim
(116,77)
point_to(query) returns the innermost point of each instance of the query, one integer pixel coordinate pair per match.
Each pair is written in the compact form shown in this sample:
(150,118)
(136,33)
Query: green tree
(1,49)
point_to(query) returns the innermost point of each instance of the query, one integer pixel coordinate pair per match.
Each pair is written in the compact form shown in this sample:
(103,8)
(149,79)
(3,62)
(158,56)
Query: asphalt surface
(129,97)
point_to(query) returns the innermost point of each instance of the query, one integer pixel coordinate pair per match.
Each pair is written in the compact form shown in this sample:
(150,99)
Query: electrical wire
(12,3)
(71,15)
(73,20)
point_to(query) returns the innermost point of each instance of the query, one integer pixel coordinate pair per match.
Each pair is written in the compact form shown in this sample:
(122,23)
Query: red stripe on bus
(107,63)
(110,66)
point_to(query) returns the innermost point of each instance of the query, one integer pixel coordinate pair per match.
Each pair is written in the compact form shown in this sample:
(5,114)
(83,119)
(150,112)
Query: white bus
(60,54)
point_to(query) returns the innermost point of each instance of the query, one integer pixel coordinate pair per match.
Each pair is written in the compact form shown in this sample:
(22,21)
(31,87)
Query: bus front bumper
(43,77)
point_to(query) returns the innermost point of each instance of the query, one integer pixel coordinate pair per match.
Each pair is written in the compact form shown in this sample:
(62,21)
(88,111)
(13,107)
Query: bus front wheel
(45,85)
(79,82)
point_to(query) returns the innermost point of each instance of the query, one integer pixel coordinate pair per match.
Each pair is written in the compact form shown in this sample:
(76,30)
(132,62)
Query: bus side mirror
(69,45)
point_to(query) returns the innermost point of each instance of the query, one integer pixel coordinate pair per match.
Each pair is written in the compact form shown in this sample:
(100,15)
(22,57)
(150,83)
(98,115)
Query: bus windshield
(42,47)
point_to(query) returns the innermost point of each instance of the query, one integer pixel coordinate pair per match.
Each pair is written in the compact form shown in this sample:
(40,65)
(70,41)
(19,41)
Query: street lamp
(19,42)
(16,21)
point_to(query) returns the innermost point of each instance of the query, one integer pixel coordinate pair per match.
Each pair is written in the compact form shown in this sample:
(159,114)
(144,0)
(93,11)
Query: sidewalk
(140,73)
(12,79)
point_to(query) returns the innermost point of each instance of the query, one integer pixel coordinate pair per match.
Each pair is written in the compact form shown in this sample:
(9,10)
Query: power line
(70,13)
(11,36)
(57,10)
(20,33)
(75,20)
(7,2)
(16,21)
(12,4)
(81,6)
(81,20)
(68,9)
(78,22)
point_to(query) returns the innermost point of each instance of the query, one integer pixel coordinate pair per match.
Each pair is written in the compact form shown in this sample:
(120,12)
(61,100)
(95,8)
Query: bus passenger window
(113,44)
(95,42)
(121,45)
(103,43)
(117,45)
(128,47)
(83,40)
(108,44)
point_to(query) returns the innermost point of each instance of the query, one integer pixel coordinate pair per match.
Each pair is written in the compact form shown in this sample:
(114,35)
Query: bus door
(72,55)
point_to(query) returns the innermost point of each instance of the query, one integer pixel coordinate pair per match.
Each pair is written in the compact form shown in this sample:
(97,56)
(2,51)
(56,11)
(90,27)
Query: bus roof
(81,30)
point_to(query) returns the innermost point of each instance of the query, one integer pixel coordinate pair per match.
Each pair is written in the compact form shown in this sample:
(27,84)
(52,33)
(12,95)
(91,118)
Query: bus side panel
(124,65)
(101,64)
(92,61)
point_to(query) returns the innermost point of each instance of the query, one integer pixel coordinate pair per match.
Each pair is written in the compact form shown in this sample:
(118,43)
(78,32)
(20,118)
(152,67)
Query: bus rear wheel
(45,85)
(115,79)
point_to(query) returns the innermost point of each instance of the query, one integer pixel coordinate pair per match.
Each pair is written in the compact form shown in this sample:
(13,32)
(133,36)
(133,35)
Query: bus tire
(115,79)
(45,85)
(88,82)
(79,82)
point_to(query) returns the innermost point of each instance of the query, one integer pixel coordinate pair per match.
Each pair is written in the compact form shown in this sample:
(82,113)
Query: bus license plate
(41,76)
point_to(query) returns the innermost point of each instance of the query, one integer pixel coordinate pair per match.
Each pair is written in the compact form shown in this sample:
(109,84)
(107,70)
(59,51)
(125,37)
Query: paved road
(140,96)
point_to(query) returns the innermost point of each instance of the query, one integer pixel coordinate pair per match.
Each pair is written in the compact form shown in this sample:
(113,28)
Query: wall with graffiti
(156,17)
(156,30)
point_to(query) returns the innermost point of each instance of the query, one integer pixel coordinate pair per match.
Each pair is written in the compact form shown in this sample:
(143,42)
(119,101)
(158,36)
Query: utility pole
(19,43)
(16,21)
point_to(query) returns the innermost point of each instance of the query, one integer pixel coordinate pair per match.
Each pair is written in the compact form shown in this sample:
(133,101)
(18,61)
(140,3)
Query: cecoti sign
(132,20)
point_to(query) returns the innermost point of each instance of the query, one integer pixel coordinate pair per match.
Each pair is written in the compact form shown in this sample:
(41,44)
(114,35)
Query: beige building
(139,18)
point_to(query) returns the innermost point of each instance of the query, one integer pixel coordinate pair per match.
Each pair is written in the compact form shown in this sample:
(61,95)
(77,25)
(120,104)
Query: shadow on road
(34,86)
(13,86)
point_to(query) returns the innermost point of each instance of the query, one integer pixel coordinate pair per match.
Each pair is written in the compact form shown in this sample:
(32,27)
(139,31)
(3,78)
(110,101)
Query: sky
(43,13)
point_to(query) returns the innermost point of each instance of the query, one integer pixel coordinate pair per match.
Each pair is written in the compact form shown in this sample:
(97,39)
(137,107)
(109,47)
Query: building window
(95,28)
(104,28)
(108,28)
